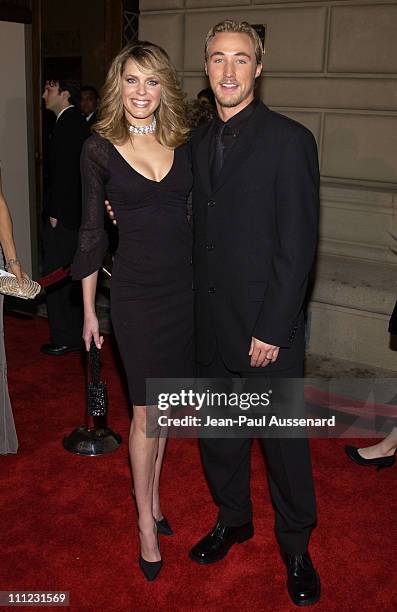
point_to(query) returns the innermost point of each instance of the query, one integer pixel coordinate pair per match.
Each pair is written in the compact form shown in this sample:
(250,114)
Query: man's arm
(297,211)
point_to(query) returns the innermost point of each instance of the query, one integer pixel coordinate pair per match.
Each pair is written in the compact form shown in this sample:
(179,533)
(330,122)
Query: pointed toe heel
(163,527)
(150,569)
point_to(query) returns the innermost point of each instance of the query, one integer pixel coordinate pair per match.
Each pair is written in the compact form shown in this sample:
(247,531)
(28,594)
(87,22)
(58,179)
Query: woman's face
(140,93)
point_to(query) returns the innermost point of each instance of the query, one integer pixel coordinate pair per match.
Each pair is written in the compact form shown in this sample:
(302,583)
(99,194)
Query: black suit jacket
(93,119)
(64,192)
(255,239)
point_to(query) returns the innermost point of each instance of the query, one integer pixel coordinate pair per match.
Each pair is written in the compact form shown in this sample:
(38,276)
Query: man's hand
(262,353)
(53,221)
(110,212)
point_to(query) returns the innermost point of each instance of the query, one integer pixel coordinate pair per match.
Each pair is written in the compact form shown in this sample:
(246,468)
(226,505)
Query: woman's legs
(384,448)
(158,515)
(143,455)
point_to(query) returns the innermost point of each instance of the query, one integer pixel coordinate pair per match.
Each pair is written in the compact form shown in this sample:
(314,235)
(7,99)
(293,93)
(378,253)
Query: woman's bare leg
(157,513)
(143,454)
(385,448)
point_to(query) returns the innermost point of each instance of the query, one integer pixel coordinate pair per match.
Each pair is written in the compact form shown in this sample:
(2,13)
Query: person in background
(198,113)
(62,215)
(206,96)
(8,436)
(383,453)
(89,99)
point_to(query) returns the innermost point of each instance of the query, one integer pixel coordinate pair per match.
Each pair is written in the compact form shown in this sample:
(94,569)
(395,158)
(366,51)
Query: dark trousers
(227,467)
(64,299)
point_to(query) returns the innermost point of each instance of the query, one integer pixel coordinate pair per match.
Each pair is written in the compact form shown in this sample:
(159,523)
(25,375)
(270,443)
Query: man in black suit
(255,206)
(89,98)
(62,212)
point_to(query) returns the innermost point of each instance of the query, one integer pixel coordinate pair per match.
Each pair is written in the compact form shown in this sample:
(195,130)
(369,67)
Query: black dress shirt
(225,135)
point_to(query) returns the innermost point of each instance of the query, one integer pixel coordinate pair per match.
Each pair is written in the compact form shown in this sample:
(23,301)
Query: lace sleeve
(93,241)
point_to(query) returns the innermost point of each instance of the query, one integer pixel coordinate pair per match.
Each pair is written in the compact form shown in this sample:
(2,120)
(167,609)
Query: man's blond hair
(236,26)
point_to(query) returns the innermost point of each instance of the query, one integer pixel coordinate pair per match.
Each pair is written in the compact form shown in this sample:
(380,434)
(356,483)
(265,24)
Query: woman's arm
(91,326)
(7,240)
(92,236)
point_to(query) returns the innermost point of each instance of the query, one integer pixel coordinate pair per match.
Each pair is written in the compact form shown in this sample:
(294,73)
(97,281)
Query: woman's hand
(110,212)
(15,268)
(91,330)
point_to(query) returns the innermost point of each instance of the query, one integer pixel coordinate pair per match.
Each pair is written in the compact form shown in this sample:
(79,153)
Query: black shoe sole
(200,561)
(308,602)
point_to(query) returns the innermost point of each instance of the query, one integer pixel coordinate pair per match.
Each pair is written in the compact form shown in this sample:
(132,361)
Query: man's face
(88,102)
(53,98)
(231,67)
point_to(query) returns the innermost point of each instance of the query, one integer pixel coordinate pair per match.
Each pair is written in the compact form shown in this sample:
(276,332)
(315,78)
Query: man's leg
(65,315)
(290,481)
(226,463)
(292,491)
(64,299)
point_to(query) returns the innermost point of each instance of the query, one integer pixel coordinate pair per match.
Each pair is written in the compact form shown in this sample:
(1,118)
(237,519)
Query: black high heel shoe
(379,462)
(150,569)
(163,527)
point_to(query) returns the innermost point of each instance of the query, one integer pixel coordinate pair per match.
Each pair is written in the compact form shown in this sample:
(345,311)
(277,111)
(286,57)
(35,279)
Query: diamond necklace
(143,129)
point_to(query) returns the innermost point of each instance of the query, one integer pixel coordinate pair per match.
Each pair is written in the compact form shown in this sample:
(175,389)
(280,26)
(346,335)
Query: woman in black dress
(137,158)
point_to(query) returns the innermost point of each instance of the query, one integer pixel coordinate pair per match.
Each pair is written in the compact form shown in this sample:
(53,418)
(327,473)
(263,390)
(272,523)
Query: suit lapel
(244,147)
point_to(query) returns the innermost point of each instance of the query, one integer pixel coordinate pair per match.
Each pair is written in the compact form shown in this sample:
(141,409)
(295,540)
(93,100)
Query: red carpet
(68,523)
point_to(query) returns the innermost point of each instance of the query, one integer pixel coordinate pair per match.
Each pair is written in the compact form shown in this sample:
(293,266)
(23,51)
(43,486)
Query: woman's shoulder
(96,148)
(95,141)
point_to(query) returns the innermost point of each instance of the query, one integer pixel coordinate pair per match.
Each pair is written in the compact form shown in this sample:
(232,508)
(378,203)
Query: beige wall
(333,67)
(14,135)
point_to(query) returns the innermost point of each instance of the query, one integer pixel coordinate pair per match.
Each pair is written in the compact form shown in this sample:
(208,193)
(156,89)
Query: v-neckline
(140,173)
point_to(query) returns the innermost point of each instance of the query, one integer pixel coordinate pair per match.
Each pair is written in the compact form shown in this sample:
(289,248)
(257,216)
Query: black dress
(151,285)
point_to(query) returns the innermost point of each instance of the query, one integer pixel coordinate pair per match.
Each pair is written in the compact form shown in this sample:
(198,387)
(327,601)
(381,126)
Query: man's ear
(206,68)
(65,94)
(258,70)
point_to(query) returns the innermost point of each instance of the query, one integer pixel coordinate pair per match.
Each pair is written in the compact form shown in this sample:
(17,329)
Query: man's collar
(239,117)
(64,109)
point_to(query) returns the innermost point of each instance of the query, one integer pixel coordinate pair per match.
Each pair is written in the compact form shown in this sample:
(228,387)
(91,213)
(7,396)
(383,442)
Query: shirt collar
(239,118)
(63,110)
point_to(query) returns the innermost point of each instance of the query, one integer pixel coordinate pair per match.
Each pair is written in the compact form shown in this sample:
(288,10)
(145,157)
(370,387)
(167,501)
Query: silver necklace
(143,129)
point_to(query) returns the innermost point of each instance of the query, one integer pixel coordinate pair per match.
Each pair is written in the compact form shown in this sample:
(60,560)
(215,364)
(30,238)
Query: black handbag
(96,391)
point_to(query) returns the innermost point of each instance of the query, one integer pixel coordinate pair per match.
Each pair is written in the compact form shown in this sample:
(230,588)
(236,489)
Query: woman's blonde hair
(171,130)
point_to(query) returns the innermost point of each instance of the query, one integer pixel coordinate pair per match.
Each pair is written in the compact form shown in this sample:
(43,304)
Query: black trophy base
(98,441)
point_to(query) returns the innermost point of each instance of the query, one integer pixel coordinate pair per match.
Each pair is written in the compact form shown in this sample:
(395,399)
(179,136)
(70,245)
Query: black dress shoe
(303,582)
(59,349)
(163,527)
(379,462)
(214,546)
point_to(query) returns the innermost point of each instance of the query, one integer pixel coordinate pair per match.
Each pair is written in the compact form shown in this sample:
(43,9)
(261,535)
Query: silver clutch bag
(9,286)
